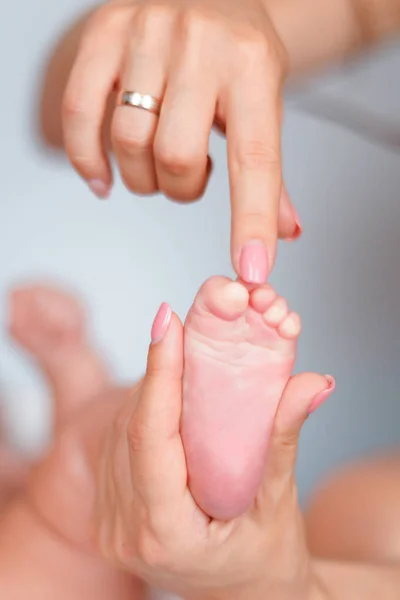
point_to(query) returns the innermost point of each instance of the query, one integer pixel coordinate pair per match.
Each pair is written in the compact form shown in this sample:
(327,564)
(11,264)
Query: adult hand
(209,62)
(13,474)
(117,475)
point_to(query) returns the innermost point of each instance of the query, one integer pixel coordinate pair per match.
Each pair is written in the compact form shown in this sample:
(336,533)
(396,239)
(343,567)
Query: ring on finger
(138,100)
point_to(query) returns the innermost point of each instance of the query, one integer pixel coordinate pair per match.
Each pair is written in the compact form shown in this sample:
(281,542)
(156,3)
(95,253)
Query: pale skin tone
(239,351)
(61,572)
(12,474)
(52,528)
(240,348)
(354,514)
(309,578)
(111,428)
(34,556)
(34,559)
(233,333)
(210,62)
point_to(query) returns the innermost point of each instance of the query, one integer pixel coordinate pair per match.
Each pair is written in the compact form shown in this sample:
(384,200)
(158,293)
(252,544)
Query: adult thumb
(157,458)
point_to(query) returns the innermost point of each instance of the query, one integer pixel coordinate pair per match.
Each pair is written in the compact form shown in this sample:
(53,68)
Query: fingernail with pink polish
(254,264)
(99,188)
(161,323)
(322,396)
(298,228)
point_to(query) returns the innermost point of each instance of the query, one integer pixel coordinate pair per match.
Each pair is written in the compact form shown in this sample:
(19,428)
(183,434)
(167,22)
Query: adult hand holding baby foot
(116,481)
(180,67)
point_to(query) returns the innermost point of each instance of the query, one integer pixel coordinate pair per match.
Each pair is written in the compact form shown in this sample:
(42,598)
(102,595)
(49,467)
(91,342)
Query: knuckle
(256,49)
(108,17)
(151,551)
(123,550)
(151,19)
(253,46)
(178,162)
(194,21)
(257,155)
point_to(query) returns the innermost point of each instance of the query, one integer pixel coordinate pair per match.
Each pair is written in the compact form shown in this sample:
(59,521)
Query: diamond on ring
(138,100)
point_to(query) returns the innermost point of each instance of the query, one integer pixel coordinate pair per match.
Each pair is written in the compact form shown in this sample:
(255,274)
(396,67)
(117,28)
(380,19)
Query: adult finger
(92,79)
(303,394)
(133,129)
(157,457)
(253,117)
(181,145)
(289,226)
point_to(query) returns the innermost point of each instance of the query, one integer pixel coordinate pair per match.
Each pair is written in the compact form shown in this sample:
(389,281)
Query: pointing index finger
(254,160)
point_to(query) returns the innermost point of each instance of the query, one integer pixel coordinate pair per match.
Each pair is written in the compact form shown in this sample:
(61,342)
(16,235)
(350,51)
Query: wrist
(316,32)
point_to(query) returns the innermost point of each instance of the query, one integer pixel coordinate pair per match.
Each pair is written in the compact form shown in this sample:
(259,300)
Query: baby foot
(50,325)
(239,354)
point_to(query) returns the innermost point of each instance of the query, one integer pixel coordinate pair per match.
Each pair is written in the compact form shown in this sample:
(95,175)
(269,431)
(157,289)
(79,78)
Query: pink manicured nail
(161,323)
(99,188)
(254,264)
(298,229)
(322,396)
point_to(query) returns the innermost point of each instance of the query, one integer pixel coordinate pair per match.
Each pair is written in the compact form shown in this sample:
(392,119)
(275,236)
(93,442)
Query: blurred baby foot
(50,325)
